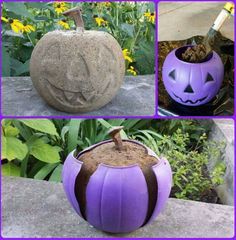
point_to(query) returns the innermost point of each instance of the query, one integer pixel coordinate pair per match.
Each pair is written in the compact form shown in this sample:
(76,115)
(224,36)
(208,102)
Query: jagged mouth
(190,101)
(67,98)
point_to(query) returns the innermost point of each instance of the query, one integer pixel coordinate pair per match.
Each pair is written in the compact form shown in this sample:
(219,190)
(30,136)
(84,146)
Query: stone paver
(33,208)
(182,20)
(136,97)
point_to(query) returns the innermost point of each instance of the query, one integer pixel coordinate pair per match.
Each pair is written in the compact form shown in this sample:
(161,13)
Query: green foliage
(12,147)
(124,20)
(42,125)
(188,162)
(183,142)
(10,169)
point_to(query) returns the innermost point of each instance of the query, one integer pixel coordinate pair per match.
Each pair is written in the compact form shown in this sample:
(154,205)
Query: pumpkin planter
(192,84)
(78,70)
(117,187)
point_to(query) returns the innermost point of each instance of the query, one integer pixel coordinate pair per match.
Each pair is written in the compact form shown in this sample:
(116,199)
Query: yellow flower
(15,24)
(64,24)
(5,19)
(126,54)
(28,28)
(132,70)
(60,7)
(105,4)
(100,21)
(150,17)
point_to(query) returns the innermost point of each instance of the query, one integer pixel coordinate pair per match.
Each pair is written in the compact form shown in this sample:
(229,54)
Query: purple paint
(192,84)
(117,197)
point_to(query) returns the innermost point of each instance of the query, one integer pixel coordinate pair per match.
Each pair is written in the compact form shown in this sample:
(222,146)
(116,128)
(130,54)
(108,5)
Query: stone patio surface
(181,20)
(34,208)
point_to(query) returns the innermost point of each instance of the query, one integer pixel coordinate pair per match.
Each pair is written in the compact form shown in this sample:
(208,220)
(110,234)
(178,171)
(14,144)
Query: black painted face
(190,95)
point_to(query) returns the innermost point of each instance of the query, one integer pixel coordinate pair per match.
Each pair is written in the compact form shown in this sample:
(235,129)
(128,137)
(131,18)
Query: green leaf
(41,18)
(10,169)
(44,171)
(151,7)
(74,126)
(145,58)
(38,5)
(56,175)
(13,148)
(35,168)
(64,131)
(5,63)
(6,122)
(23,68)
(23,166)
(117,122)
(25,131)
(42,125)
(44,152)
(129,123)
(4,148)
(90,130)
(18,8)
(128,28)
(10,131)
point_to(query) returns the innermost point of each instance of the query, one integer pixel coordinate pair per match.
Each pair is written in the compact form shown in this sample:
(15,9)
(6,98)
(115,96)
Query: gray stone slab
(135,98)
(223,130)
(33,208)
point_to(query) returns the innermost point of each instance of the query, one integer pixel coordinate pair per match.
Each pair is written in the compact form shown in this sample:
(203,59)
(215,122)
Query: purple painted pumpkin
(117,197)
(192,84)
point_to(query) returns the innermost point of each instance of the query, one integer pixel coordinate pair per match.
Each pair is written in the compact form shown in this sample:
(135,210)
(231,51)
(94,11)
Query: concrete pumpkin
(192,84)
(118,198)
(78,70)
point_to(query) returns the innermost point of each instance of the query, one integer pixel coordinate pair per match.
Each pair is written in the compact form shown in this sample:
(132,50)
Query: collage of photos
(117,119)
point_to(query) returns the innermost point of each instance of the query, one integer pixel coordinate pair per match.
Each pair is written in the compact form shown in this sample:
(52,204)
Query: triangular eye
(172,74)
(209,78)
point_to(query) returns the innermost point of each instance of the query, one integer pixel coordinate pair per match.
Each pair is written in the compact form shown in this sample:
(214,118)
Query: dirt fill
(107,153)
(195,54)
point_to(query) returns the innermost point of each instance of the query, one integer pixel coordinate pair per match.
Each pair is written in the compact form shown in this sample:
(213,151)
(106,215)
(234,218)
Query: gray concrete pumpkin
(78,70)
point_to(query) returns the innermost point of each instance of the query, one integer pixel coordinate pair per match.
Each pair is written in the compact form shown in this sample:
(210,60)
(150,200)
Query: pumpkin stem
(75,14)
(114,132)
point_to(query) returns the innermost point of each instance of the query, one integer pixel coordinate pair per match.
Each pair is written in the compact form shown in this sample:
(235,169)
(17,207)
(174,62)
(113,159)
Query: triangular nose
(188,89)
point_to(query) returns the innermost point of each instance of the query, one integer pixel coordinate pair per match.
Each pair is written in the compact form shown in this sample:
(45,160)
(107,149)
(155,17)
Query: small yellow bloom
(100,21)
(150,17)
(132,70)
(4,19)
(15,24)
(64,24)
(105,4)
(60,7)
(28,28)
(126,54)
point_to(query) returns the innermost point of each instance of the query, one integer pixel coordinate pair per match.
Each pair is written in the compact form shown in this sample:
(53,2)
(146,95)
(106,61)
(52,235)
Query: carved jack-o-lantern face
(77,71)
(192,84)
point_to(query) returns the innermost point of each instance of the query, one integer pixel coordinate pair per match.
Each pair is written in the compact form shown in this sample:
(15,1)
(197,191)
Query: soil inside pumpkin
(107,154)
(195,54)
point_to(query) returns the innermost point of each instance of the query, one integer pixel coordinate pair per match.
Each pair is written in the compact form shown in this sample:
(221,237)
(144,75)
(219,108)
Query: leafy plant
(24,142)
(37,148)
(191,179)
(131,23)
